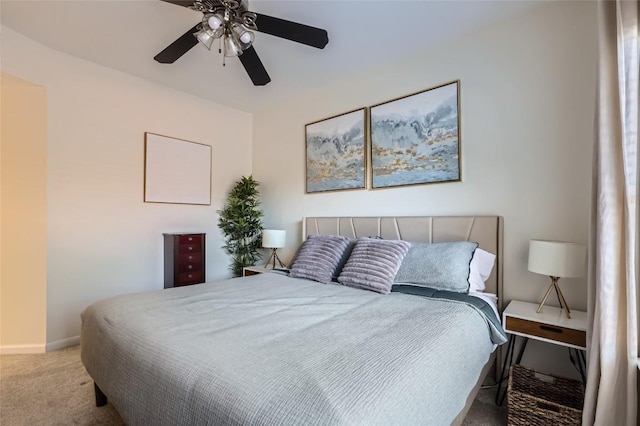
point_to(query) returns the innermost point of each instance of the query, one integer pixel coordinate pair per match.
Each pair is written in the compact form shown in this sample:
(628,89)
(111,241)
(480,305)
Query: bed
(274,349)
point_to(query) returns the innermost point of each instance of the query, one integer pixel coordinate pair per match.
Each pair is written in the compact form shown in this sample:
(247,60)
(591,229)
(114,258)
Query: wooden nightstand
(550,325)
(259,269)
(254,270)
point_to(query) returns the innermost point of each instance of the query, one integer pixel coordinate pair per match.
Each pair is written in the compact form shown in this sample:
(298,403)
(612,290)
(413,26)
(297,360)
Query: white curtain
(612,349)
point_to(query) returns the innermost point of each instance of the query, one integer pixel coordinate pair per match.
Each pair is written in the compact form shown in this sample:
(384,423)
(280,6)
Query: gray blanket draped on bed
(269,349)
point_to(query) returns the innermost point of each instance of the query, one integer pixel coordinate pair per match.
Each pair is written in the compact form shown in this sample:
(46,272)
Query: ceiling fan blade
(178,48)
(184,3)
(300,33)
(253,65)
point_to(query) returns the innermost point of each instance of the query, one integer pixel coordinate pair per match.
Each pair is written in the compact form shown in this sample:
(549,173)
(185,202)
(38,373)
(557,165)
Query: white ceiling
(127,34)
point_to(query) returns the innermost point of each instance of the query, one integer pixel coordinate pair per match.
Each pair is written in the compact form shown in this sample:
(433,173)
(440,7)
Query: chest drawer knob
(190,248)
(190,266)
(190,276)
(190,258)
(190,238)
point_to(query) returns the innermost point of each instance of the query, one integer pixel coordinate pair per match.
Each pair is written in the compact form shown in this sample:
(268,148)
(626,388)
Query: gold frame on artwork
(336,153)
(176,171)
(404,153)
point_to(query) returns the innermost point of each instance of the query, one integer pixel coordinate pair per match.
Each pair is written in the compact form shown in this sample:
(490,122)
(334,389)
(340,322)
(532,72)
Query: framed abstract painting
(416,139)
(335,153)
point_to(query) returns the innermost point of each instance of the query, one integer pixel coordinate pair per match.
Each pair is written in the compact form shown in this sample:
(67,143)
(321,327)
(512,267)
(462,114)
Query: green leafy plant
(241,223)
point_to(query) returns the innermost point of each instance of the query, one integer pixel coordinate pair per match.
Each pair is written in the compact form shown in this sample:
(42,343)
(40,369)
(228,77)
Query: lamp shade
(232,46)
(273,238)
(557,258)
(205,37)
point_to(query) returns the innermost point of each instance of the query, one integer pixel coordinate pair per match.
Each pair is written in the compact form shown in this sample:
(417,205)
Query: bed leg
(101,398)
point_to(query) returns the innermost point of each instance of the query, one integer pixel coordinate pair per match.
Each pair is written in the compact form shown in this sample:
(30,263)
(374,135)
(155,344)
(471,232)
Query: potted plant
(241,223)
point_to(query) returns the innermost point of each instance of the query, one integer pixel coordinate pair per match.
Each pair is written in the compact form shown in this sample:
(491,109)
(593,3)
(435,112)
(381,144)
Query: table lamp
(557,259)
(274,239)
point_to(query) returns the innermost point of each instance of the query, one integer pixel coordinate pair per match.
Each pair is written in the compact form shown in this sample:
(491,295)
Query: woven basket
(543,399)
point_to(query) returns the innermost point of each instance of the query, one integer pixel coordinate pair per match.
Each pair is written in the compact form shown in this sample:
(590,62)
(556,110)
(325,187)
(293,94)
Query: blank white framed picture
(176,171)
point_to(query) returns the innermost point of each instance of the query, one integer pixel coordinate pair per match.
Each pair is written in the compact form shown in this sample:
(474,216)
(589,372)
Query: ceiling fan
(230,22)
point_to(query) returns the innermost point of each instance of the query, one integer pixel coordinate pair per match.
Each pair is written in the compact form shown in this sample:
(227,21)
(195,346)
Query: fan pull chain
(223,51)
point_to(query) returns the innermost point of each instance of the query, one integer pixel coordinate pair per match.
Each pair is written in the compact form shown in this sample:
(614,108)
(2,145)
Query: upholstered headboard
(485,230)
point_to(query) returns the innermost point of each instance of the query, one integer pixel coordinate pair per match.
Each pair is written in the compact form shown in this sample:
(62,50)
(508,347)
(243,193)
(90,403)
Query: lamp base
(563,302)
(274,256)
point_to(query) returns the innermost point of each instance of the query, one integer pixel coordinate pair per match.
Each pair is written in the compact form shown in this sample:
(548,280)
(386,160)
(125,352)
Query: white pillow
(480,269)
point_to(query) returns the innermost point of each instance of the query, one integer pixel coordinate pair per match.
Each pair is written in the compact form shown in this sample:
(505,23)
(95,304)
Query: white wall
(527,106)
(102,238)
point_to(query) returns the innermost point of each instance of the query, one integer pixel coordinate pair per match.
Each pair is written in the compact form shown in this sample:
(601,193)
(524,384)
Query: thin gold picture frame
(176,171)
(402,135)
(336,153)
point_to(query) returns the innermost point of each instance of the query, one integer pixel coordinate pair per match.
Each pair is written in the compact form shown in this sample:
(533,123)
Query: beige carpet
(54,389)
(49,389)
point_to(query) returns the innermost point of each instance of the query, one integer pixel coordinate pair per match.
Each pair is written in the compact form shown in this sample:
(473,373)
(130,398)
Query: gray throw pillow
(443,266)
(318,258)
(373,264)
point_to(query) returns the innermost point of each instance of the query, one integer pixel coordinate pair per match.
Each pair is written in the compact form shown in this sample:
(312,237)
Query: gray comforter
(274,350)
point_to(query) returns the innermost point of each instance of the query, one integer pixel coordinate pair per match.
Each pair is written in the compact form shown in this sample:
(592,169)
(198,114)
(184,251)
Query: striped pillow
(319,257)
(373,264)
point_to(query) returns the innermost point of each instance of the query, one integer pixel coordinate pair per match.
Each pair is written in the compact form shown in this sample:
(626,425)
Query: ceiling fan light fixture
(244,36)
(213,25)
(214,21)
(232,46)
(205,37)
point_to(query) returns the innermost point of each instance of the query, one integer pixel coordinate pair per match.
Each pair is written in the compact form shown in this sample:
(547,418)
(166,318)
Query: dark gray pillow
(373,264)
(318,258)
(443,266)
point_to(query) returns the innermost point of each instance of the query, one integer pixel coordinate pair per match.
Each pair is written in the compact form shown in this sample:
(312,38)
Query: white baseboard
(22,349)
(39,349)
(64,343)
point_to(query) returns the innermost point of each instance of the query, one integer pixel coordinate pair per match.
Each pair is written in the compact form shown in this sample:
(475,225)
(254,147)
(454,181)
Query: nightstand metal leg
(522,348)
(508,358)
(579,362)
(508,361)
